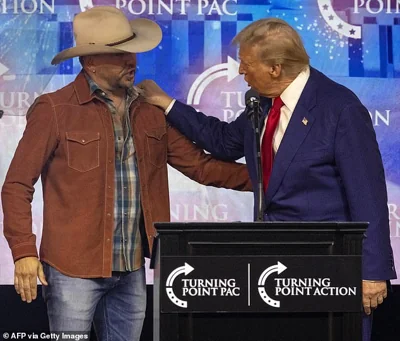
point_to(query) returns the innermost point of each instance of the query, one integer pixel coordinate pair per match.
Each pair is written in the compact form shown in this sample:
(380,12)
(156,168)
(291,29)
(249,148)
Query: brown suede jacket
(69,142)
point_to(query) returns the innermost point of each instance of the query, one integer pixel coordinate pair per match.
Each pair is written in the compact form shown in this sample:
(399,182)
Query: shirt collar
(290,96)
(132,92)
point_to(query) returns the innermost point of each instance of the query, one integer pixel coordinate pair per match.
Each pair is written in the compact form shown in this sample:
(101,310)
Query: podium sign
(280,281)
(261,284)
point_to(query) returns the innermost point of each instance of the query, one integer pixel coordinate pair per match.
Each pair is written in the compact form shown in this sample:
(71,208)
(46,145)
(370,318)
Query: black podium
(297,281)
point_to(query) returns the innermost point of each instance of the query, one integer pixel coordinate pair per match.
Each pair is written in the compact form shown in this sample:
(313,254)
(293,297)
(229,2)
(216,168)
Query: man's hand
(26,271)
(374,292)
(153,94)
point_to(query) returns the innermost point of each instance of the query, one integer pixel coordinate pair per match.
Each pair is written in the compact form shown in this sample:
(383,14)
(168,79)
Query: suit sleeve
(223,140)
(34,149)
(361,170)
(192,161)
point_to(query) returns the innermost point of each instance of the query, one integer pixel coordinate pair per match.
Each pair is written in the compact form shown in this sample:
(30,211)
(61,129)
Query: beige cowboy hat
(105,29)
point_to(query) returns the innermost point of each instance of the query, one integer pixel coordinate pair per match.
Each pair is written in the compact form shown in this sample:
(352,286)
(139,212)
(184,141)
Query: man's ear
(88,60)
(276,70)
(87,63)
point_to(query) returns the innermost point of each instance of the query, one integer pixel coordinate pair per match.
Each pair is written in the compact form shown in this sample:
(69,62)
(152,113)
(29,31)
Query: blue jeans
(115,305)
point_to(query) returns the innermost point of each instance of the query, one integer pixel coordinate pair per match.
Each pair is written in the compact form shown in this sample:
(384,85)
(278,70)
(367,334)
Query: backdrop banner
(355,42)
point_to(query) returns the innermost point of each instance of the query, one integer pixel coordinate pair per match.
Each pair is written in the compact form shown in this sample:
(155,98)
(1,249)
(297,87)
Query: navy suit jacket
(329,169)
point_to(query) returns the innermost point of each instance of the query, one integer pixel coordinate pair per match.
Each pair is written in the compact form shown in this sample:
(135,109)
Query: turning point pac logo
(198,287)
(186,269)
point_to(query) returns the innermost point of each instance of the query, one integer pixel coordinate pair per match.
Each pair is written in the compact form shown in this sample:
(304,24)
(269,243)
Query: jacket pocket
(83,150)
(157,146)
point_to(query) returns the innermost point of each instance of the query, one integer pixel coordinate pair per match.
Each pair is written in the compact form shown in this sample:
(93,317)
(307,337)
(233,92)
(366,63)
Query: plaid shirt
(127,246)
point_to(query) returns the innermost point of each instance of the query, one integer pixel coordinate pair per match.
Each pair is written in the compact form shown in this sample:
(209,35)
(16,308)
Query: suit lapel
(299,126)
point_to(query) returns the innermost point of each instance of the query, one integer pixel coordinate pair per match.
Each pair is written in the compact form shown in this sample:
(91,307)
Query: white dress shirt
(290,97)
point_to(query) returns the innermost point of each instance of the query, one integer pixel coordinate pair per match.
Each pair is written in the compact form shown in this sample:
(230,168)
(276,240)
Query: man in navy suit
(321,160)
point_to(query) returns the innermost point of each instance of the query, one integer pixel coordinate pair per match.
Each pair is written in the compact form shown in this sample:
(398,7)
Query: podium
(263,281)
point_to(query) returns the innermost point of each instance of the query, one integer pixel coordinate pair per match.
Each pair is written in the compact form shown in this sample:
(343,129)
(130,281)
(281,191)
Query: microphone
(252,100)
(253,111)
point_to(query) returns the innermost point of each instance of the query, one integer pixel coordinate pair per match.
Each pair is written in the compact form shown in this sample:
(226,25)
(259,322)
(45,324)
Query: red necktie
(267,153)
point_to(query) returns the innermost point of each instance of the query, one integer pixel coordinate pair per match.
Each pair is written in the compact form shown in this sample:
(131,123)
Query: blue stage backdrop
(355,42)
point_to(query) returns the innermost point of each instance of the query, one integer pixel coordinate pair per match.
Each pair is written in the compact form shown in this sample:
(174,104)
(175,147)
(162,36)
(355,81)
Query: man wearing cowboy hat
(102,155)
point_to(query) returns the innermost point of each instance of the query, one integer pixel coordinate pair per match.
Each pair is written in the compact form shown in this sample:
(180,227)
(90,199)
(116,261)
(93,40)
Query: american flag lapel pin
(305,121)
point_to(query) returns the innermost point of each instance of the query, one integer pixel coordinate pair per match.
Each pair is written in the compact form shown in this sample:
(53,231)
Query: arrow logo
(230,69)
(3,69)
(279,268)
(186,269)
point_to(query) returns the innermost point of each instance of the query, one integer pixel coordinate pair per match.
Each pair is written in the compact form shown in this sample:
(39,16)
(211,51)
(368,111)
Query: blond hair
(277,43)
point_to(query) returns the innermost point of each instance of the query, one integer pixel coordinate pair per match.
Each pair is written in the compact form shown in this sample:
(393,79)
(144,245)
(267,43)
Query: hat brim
(147,36)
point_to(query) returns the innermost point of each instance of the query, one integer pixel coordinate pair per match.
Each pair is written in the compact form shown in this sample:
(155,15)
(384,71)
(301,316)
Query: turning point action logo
(298,286)
(279,268)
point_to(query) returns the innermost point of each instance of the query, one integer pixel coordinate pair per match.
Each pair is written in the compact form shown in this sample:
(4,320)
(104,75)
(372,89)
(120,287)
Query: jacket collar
(82,89)
(86,89)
